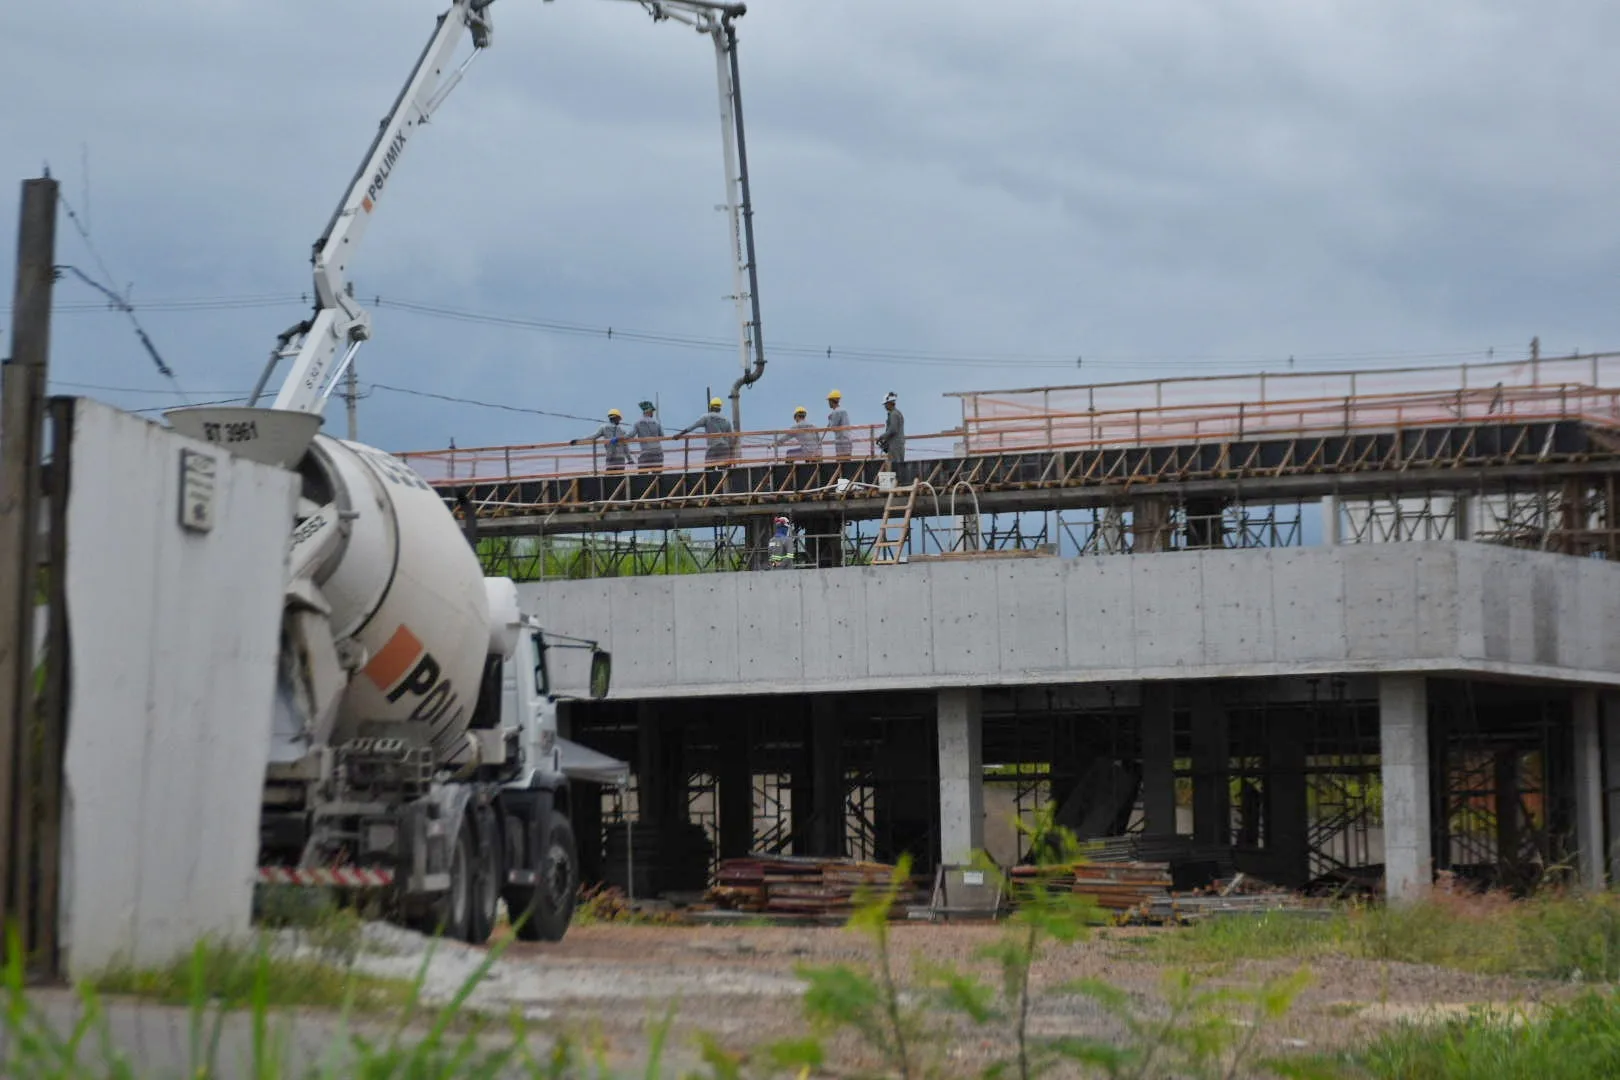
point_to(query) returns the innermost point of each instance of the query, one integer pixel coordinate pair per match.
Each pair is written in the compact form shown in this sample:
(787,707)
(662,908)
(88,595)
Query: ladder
(886,551)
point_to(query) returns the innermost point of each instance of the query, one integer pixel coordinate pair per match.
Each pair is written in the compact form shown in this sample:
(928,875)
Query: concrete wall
(174,638)
(1440,606)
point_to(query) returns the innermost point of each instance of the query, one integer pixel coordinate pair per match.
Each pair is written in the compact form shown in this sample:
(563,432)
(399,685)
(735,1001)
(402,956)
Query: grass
(1571,1041)
(1555,935)
(236,977)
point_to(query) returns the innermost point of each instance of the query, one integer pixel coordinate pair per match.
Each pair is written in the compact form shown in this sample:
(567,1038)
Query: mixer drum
(405,585)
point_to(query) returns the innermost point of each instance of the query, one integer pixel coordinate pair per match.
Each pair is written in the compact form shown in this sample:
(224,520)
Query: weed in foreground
(1570,1041)
(1194,1031)
(232,976)
(1558,935)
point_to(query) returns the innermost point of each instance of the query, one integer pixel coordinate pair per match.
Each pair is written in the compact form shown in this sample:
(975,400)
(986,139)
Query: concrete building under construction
(1369,631)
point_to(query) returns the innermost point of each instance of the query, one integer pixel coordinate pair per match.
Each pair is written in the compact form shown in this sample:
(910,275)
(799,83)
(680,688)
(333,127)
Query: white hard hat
(890,398)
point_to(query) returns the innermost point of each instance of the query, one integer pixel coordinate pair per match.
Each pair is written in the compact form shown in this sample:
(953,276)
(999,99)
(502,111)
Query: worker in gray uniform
(650,433)
(893,440)
(718,428)
(838,421)
(804,438)
(615,437)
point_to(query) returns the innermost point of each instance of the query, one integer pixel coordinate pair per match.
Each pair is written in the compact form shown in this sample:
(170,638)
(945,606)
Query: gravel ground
(738,984)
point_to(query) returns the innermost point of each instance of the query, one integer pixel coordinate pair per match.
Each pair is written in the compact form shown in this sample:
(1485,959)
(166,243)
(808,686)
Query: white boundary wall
(174,639)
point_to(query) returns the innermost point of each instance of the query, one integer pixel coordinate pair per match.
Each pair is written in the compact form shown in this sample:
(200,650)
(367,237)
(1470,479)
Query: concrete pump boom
(339,324)
(715,19)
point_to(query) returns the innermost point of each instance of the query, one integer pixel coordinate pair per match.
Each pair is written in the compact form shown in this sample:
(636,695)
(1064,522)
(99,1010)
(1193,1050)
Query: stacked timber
(1193,864)
(1114,886)
(800,885)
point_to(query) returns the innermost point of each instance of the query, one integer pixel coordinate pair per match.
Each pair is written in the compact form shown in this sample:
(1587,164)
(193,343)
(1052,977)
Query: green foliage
(234,977)
(868,1002)
(1570,1041)
(1555,935)
(1201,1031)
(1194,1032)
(1268,935)
(316,916)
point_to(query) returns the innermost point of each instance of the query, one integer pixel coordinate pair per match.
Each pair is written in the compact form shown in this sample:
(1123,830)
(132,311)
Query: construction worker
(651,435)
(893,440)
(718,428)
(838,420)
(805,438)
(616,438)
(781,544)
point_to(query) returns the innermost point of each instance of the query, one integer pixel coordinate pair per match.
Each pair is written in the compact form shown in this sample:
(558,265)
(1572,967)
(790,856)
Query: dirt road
(739,984)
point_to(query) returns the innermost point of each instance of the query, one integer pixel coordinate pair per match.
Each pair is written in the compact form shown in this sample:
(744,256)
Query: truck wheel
(550,905)
(449,913)
(484,888)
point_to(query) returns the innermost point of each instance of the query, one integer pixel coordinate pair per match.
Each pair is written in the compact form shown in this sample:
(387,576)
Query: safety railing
(1171,424)
(1531,373)
(1188,424)
(682,453)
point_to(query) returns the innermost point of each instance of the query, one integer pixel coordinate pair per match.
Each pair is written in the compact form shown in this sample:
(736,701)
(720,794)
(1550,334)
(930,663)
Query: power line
(482,404)
(135,389)
(119,301)
(200,404)
(855,354)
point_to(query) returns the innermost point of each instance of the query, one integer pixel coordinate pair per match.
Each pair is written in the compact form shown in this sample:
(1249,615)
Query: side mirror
(601,672)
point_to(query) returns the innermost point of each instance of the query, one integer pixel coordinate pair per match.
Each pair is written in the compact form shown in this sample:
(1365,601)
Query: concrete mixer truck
(415,746)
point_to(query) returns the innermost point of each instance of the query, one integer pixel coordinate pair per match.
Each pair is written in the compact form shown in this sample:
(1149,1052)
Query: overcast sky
(1158,188)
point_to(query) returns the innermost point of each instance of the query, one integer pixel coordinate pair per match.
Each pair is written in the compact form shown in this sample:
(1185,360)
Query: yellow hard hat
(615,414)
(716,403)
(833,395)
(800,411)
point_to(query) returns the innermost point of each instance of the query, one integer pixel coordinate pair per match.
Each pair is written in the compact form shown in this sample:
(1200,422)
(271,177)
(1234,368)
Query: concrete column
(1588,789)
(1403,735)
(827,768)
(1150,525)
(961,774)
(1212,759)
(736,798)
(1462,515)
(1508,834)
(1610,729)
(1158,761)
(587,806)
(1287,802)
(1331,529)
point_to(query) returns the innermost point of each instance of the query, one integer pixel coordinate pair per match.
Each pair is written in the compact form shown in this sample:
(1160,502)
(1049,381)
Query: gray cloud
(1163,188)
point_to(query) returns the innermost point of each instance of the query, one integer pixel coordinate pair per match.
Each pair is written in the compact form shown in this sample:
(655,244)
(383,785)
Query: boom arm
(339,323)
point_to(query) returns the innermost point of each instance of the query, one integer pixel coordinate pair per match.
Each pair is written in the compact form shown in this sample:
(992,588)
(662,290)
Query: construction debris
(799,885)
(1145,892)
(1121,888)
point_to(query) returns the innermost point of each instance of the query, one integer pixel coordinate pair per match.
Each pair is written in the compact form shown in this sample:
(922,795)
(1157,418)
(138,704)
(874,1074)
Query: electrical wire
(854,354)
(133,389)
(118,300)
(482,404)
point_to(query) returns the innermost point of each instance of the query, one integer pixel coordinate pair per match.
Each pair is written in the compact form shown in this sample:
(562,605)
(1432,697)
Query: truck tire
(484,887)
(549,906)
(449,914)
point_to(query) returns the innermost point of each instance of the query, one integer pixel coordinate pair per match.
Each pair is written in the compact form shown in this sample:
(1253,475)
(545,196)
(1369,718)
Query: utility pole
(22,421)
(351,394)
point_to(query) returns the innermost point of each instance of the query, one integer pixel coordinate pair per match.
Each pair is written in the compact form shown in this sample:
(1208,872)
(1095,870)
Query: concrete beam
(1440,608)
(1403,731)
(1588,789)
(961,775)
